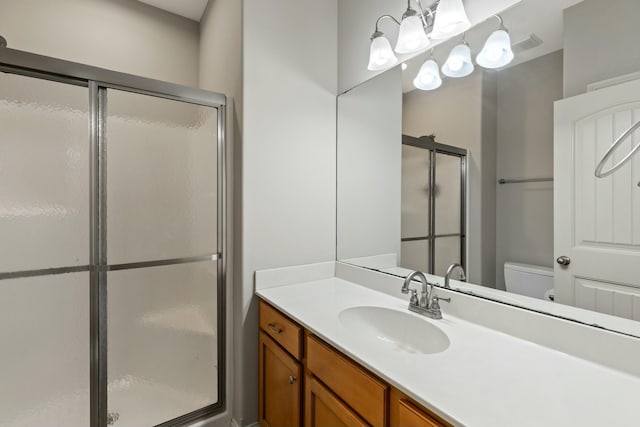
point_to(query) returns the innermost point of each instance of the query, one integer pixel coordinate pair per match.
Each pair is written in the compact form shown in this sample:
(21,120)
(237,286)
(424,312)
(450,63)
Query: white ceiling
(540,17)
(191,9)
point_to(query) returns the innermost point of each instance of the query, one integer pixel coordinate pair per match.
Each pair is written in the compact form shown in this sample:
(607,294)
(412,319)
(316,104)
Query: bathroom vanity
(338,346)
(337,391)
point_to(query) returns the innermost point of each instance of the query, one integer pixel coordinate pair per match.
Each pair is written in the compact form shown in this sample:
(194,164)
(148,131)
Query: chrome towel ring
(601,174)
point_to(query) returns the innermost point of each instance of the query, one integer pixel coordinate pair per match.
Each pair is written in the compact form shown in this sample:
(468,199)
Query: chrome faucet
(428,304)
(450,270)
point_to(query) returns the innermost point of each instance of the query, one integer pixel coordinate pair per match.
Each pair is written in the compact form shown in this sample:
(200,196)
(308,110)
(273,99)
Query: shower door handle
(563,260)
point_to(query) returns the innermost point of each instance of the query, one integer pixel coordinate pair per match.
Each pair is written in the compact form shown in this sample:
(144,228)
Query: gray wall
(121,35)
(369,167)
(456,113)
(288,155)
(221,71)
(526,94)
(600,42)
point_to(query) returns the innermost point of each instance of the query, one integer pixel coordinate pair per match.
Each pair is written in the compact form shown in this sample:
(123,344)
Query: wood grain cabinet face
(280,386)
(338,392)
(406,413)
(324,409)
(362,391)
(284,331)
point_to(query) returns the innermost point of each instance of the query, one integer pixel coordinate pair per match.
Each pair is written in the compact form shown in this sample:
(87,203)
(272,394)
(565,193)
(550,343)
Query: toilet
(530,280)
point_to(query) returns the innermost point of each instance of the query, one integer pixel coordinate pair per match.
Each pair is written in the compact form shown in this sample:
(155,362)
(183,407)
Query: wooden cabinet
(325,409)
(337,391)
(283,330)
(405,412)
(358,388)
(280,378)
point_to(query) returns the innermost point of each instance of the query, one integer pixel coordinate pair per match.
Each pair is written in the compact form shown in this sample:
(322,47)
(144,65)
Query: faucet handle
(414,297)
(437,298)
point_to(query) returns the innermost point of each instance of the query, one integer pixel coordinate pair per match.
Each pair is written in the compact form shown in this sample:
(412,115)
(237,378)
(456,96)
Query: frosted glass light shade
(411,37)
(497,51)
(451,19)
(428,77)
(459,62)
(381,55)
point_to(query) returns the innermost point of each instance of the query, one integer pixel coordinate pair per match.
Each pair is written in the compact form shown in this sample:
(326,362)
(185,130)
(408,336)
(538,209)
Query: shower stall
(112,247)
(433,205)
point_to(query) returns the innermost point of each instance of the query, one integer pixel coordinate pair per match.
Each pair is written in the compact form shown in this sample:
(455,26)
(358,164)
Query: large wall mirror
(495,171)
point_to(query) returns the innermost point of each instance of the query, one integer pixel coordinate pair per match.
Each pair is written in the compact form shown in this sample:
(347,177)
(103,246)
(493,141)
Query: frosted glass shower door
(433,205)
(44,253)
(162,244)
(415,208)
(448,212)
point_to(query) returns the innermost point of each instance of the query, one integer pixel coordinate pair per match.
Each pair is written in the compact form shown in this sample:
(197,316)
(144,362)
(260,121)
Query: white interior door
(597,220)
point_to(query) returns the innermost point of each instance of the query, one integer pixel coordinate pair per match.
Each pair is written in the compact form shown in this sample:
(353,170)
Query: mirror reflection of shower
(433,205)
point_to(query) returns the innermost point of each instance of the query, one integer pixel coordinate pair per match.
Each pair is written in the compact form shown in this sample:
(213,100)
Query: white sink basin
(400,331)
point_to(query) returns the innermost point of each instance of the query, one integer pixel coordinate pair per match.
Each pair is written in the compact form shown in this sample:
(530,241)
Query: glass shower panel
(161,178)
(415,191)
(44,174)
(414,255)
(162,341)
(44,349)
(447,194)
(447,252)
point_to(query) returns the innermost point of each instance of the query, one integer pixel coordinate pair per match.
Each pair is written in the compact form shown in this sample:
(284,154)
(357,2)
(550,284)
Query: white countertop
(485,378)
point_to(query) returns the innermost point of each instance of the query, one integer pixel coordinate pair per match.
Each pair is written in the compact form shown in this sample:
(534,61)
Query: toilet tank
(529,280)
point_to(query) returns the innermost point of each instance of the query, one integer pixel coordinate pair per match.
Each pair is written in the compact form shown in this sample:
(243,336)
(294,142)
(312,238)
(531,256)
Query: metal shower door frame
(429,143)
(98,81)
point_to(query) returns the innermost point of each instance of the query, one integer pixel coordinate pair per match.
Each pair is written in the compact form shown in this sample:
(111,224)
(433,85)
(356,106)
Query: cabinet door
(279,385)
(406,413)
(324,409)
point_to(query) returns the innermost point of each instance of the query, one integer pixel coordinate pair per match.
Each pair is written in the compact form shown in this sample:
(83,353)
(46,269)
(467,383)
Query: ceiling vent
(532,42)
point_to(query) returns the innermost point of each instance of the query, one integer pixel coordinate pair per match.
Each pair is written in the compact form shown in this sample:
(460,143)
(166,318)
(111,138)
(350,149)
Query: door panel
(415,191)
(44,174)
(448,191)
(609,298)
(415,255)
(44,349)
(596,220)
(161,178)
(279,381)
(162,327)
(447,252)
(325,409)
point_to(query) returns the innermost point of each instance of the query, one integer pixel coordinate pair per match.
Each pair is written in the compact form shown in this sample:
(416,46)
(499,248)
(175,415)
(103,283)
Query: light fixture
(459,62)
(451,19)
(412,36)
(381,55)
(497,51)
(428,77)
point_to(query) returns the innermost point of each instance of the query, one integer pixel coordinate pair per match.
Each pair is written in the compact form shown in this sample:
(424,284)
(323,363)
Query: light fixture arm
(422,11)
(502,27)
(377,32)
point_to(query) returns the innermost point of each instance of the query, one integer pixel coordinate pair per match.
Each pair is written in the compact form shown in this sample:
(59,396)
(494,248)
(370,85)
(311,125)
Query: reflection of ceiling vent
(527,44)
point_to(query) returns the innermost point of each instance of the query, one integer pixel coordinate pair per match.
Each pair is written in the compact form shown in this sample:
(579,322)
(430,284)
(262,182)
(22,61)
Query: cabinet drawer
(281,329)
(359,389)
